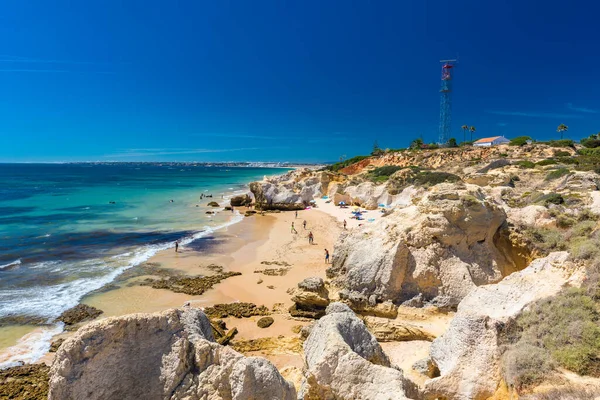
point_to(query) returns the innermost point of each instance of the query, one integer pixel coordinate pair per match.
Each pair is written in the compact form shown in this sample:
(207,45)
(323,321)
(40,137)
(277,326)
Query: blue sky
(285,80)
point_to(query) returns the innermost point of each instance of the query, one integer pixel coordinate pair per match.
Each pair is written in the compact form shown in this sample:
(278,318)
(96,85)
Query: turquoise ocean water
(69,229)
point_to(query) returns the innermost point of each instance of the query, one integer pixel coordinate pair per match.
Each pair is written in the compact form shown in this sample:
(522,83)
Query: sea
(69,229)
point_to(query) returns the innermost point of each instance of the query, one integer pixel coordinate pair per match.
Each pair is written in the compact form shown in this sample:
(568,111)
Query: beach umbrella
(312,201)
(356,208)
(342,203)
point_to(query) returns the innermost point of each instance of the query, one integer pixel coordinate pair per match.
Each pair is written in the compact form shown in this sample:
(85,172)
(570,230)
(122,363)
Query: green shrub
(519,141)
(557,173)
(382,174)
(550,198)
(589,152)
(583,228)
(548,161)
(568,326)
(525,164)
(343,164)
(432,178)
(544,239)
(590,143)
(567,160)
(564,327)
(562,153)
(561,143)
(583,248)
(525,365)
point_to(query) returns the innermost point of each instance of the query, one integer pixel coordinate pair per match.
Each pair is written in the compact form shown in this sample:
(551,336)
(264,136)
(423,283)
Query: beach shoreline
(236,247)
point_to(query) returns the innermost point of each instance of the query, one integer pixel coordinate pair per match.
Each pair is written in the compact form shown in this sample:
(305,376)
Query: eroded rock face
(344,361)
(291,191)
(488,179)
(239,201)
(440,248)
(389,330)
(467,354)
(310,298)
(167,355)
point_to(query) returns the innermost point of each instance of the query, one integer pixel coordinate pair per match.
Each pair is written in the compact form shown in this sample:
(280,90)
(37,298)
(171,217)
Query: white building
(491,141)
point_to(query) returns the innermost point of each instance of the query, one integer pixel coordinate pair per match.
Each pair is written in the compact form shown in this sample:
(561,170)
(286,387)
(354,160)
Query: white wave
(11,264)
(50,301)
(30,347)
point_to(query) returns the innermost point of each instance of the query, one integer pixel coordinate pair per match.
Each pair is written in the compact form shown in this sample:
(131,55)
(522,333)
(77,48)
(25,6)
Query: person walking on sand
(176,246)
(294,229)
(326,256)
(311,238)
(304,224)
(345,224)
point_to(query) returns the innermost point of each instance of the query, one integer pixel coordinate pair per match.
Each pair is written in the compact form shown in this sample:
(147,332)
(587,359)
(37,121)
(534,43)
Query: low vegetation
(548,161)
(525,164)
(557,173)
(519,141)
(559,331)
(343,164)
(591,142)
(382,174)
(416,176)
(561,143)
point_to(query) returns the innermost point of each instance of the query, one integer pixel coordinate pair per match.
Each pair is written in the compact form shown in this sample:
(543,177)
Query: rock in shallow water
(79,313)
(168,355)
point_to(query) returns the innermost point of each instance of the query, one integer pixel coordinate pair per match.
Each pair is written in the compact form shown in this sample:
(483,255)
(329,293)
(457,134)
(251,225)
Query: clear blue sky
(285,80)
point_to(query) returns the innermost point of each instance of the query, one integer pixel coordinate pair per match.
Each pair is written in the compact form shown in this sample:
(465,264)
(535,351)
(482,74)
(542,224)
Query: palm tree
(472,129)
(465,128)
(562,128)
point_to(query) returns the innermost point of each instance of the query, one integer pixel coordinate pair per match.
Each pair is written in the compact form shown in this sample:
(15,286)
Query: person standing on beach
(345,224)
(296,214)
(304,224)
(326,256)
(311,238)
(294,229)
(176,246)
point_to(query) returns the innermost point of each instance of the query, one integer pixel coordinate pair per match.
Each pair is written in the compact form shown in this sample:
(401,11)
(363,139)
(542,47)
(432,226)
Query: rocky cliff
(468,354)
(168,355)
(436,250)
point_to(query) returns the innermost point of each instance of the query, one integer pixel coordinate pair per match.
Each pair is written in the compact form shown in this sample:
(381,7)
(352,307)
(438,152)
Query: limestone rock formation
(240,201)
(467,354)
(390,330)
(79,313)
(488,179)
(167,355)
(344,361)
(310,298)
(291,191)
(442,247)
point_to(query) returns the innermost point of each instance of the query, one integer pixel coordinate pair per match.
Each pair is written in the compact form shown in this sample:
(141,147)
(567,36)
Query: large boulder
(167,355)
(240,201)
(467,354)
(310,298)
(440,248)
(293,190)
(344,361)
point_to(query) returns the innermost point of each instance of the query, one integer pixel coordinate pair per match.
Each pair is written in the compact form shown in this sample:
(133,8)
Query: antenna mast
(446,101)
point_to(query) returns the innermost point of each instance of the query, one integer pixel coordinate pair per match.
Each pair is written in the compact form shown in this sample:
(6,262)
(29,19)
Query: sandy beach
(244,247)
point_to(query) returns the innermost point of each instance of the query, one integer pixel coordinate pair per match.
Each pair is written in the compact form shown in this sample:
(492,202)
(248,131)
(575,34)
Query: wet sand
(239,248)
